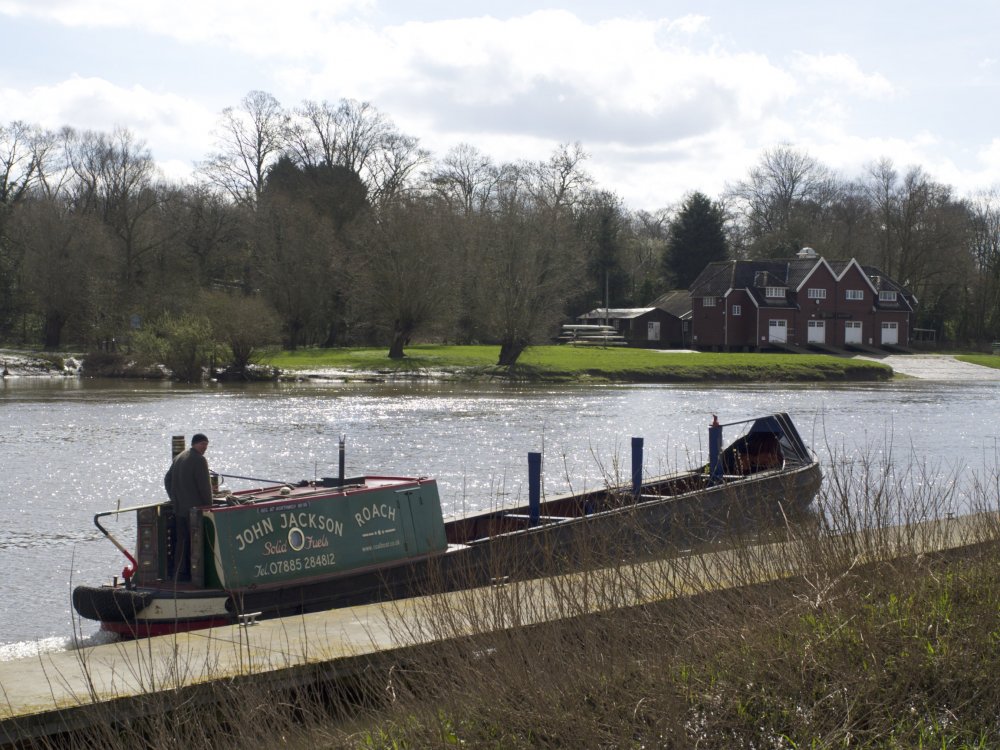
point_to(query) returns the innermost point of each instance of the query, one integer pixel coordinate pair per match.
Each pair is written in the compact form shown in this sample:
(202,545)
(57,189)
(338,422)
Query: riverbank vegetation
(586,363)
(325,225)
(873,643)
(538,364)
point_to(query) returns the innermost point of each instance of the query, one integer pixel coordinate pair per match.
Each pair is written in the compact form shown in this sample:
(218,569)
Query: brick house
(802,302)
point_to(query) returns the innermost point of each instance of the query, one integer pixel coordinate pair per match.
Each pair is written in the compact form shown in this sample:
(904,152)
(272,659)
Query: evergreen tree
(696,239)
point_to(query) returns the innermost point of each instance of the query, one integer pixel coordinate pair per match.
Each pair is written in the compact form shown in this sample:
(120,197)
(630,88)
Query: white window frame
(854,294)
(816,293)
(775,292)
(737,311)
(708,301)
(887,296)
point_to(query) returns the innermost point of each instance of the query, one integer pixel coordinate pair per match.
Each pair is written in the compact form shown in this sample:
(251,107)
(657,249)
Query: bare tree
(356,136)
(20,161)
(561,181)
(778,204)
(19,169)
(295,255)
(531,254)
(64,257)
(116,181)
(848,226)
(880,187)
(213,233)
(985,208)
(644,248)
(466,179)
(983,320)
(251,138)
(654,225)
(405,269)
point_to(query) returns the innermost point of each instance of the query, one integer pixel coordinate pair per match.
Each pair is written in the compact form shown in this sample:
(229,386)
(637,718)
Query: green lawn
(590,363)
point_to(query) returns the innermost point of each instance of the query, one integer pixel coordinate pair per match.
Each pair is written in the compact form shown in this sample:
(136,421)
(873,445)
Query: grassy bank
(568,363)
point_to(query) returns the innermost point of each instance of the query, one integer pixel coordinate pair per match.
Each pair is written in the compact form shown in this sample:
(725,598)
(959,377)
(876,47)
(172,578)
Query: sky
(665,97)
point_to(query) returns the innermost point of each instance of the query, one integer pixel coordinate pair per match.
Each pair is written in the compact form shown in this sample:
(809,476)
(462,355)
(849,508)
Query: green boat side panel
(300,538)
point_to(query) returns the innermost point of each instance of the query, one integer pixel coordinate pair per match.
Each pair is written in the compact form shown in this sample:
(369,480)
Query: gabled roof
(754,276)
(715,279)
(721,277)
(805,268)
(677,302)
(881,283)
(861,270)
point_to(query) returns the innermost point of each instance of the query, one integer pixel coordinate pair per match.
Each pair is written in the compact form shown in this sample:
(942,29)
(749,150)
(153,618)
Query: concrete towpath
(935,367)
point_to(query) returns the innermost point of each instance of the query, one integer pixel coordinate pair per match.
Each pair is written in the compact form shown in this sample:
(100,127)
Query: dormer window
(887,296)
(774,292)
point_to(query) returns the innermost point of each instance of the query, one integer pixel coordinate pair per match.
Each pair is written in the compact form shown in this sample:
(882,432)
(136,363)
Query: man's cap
(199,438)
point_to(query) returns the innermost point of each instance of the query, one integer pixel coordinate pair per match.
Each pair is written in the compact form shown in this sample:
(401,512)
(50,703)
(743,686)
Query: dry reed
(846,629)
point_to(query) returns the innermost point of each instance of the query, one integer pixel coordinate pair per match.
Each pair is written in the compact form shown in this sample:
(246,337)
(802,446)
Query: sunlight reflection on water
(72,448)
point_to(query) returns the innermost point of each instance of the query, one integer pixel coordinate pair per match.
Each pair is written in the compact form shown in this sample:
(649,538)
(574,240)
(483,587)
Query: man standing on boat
(188,486)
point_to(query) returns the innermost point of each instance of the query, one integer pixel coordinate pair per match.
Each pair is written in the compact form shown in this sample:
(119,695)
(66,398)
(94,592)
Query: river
(70,448)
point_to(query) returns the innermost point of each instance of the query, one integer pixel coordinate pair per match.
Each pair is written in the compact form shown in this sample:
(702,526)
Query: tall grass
(840,631)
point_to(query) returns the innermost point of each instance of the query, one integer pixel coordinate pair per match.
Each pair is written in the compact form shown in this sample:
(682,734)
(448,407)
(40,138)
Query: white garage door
(777,331)
(817,332)
(890,333)
(852,332)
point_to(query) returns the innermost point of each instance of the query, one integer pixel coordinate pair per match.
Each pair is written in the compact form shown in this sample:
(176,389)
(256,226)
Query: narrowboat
(289,548)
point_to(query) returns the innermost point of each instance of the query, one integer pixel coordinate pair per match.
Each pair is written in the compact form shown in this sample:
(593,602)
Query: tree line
(325,225)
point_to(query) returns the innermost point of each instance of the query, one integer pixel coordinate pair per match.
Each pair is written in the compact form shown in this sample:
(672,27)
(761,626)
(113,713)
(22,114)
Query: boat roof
(324,488)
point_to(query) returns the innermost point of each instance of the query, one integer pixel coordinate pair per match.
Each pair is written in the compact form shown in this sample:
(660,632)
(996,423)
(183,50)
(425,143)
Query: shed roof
(616,313)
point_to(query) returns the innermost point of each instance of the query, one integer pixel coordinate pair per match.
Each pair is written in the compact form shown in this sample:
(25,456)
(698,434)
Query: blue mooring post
(636,466)
(715,449)
(534,487)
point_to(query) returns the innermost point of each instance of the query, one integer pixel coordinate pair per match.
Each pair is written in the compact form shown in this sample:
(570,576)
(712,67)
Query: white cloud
(664,105)
(990,156)
(843,71)
(173,127)
(255,27)
(550,74)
